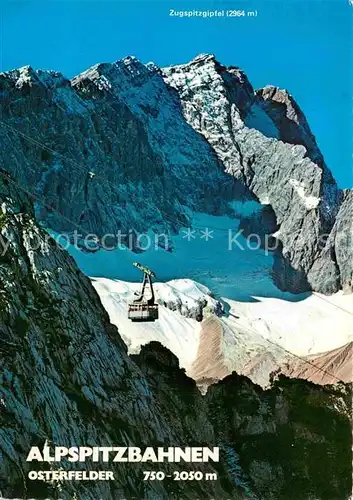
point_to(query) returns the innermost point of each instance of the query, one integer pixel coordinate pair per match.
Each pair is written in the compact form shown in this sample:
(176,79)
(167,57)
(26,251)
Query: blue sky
(302,45)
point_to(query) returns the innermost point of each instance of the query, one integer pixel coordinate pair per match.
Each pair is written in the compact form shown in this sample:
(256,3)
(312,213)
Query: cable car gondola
(143,309)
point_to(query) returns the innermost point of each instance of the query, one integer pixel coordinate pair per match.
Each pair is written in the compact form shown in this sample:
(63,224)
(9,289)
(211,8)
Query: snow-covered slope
(208,349)
(251,338)
(312,325)
(175,331)
(260,324)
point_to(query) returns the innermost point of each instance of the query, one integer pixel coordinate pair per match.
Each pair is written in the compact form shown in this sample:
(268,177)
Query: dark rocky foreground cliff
(66,379)
(130,146)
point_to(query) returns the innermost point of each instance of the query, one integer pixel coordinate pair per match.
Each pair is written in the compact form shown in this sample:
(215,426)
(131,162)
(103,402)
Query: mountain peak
(197,62)
(144,123)
(289,118)
(204,57)
(275,94)
(22,76)
(28,76)
(128,60)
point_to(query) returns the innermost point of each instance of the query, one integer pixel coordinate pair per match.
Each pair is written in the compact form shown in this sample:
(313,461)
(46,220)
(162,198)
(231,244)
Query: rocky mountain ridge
(66,379)
(192,137)
(264,139)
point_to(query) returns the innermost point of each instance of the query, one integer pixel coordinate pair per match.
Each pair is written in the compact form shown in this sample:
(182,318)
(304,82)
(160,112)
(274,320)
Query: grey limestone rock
(131,147)
(66,380)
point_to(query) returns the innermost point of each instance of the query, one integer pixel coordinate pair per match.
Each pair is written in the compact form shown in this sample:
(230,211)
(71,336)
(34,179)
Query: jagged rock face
(129,146)
(97,148)
(66,380)
(280,165)
(289,119)
(189,299)
(334,268)
(285,438)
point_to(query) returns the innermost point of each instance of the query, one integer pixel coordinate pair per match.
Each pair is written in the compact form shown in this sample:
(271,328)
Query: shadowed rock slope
(66,380)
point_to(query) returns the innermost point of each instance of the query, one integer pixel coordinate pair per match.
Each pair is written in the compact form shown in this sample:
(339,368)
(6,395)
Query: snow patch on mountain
(181,334)
(260,324)
(175,331)
(251,338)
(309,201)
(312,325)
